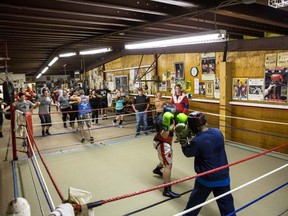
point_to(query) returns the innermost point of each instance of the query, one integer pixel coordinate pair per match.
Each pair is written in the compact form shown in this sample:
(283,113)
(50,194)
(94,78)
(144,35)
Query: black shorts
(120,112)
(45,120)
(103,104)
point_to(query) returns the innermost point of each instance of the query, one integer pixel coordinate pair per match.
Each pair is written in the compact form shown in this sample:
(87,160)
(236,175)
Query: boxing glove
(182,118)
(182,131)
(167,120)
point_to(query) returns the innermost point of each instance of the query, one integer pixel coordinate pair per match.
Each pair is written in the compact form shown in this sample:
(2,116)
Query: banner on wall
(208,66)
(282,60)
(217,88)
(239,88)
(270,60)
(256,89)
(276,85)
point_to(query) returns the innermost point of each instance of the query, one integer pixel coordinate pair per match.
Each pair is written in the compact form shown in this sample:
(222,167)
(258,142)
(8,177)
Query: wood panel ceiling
(36,31)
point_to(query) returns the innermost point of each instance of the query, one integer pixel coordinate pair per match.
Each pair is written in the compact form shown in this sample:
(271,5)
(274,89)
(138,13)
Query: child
(119,111)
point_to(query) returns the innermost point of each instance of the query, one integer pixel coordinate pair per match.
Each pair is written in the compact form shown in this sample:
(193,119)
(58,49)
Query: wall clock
(194,71)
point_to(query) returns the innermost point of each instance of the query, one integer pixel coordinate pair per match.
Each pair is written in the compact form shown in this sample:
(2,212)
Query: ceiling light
(67,54)
(53,61)
(44,70)
(39,75)
(177,3)
(278,3)
(95,51)
(204,37)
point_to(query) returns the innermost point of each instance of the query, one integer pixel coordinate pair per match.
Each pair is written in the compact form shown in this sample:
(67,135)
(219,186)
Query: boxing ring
(118,172)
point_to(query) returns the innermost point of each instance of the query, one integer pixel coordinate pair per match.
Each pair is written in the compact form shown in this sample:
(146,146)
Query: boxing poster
(255,89)
(217,88)
(179,68)
(276,84)
(270,60)
(239,88)
(208,66)
(209,87)
(282,60)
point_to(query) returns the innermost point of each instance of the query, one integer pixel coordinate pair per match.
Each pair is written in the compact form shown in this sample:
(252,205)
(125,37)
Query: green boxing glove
(182,131)
(182,118)
(166,120)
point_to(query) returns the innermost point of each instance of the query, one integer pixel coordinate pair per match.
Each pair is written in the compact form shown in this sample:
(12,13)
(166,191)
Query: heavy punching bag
(8,93)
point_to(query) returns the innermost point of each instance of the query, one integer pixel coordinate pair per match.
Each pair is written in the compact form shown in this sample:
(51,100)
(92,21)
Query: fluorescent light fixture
(44,70)
(204,37)
(39,75)
(177,3)
(53,61)
(95,51)
(67,54)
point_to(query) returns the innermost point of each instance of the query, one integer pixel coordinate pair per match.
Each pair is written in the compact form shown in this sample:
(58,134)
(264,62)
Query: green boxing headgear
(182,118)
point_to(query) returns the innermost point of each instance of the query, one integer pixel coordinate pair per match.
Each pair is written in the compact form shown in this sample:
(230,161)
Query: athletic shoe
(47,132)
(137,134)
(82,140)
(157,171)
(113,123)
(91,139)
(121,126)
(43,133)
(146,133)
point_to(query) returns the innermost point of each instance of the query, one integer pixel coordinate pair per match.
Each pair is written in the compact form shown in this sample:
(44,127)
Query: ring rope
(99,118)
(37,193)
(231,191)
(246,130)
(16,192)
(242,118)
(45,189)
(101,202)
(258,199)
(46,167)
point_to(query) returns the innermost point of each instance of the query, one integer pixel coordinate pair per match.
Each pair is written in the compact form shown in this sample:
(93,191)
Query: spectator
(141,104)
(95,105)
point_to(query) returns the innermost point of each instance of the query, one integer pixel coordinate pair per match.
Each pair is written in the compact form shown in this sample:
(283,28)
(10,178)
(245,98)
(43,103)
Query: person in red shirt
(180,100)
(29,94)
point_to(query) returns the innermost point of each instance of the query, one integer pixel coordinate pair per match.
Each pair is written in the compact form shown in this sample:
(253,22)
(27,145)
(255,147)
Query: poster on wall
(217,88)
(282,60)
(202,88)
(196,86)
(209,88)
(270,60)
(276,84)
(179,71)
(208,66)
(256,89)
(163,86)
(239,88)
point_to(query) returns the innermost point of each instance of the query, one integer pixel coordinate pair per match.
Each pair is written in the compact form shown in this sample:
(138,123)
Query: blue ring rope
(15,185)
(256,200)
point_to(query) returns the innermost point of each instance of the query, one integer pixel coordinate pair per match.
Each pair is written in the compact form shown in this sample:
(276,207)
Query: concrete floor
(117,163)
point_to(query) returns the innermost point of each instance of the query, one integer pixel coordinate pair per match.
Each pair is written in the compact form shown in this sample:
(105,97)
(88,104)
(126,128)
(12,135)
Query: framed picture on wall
(209,87)
(179,71)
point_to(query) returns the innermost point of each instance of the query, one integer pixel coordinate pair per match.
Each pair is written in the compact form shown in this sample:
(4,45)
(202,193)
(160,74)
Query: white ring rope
(99,118)
(242,118)
(231,191)
(42,178)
